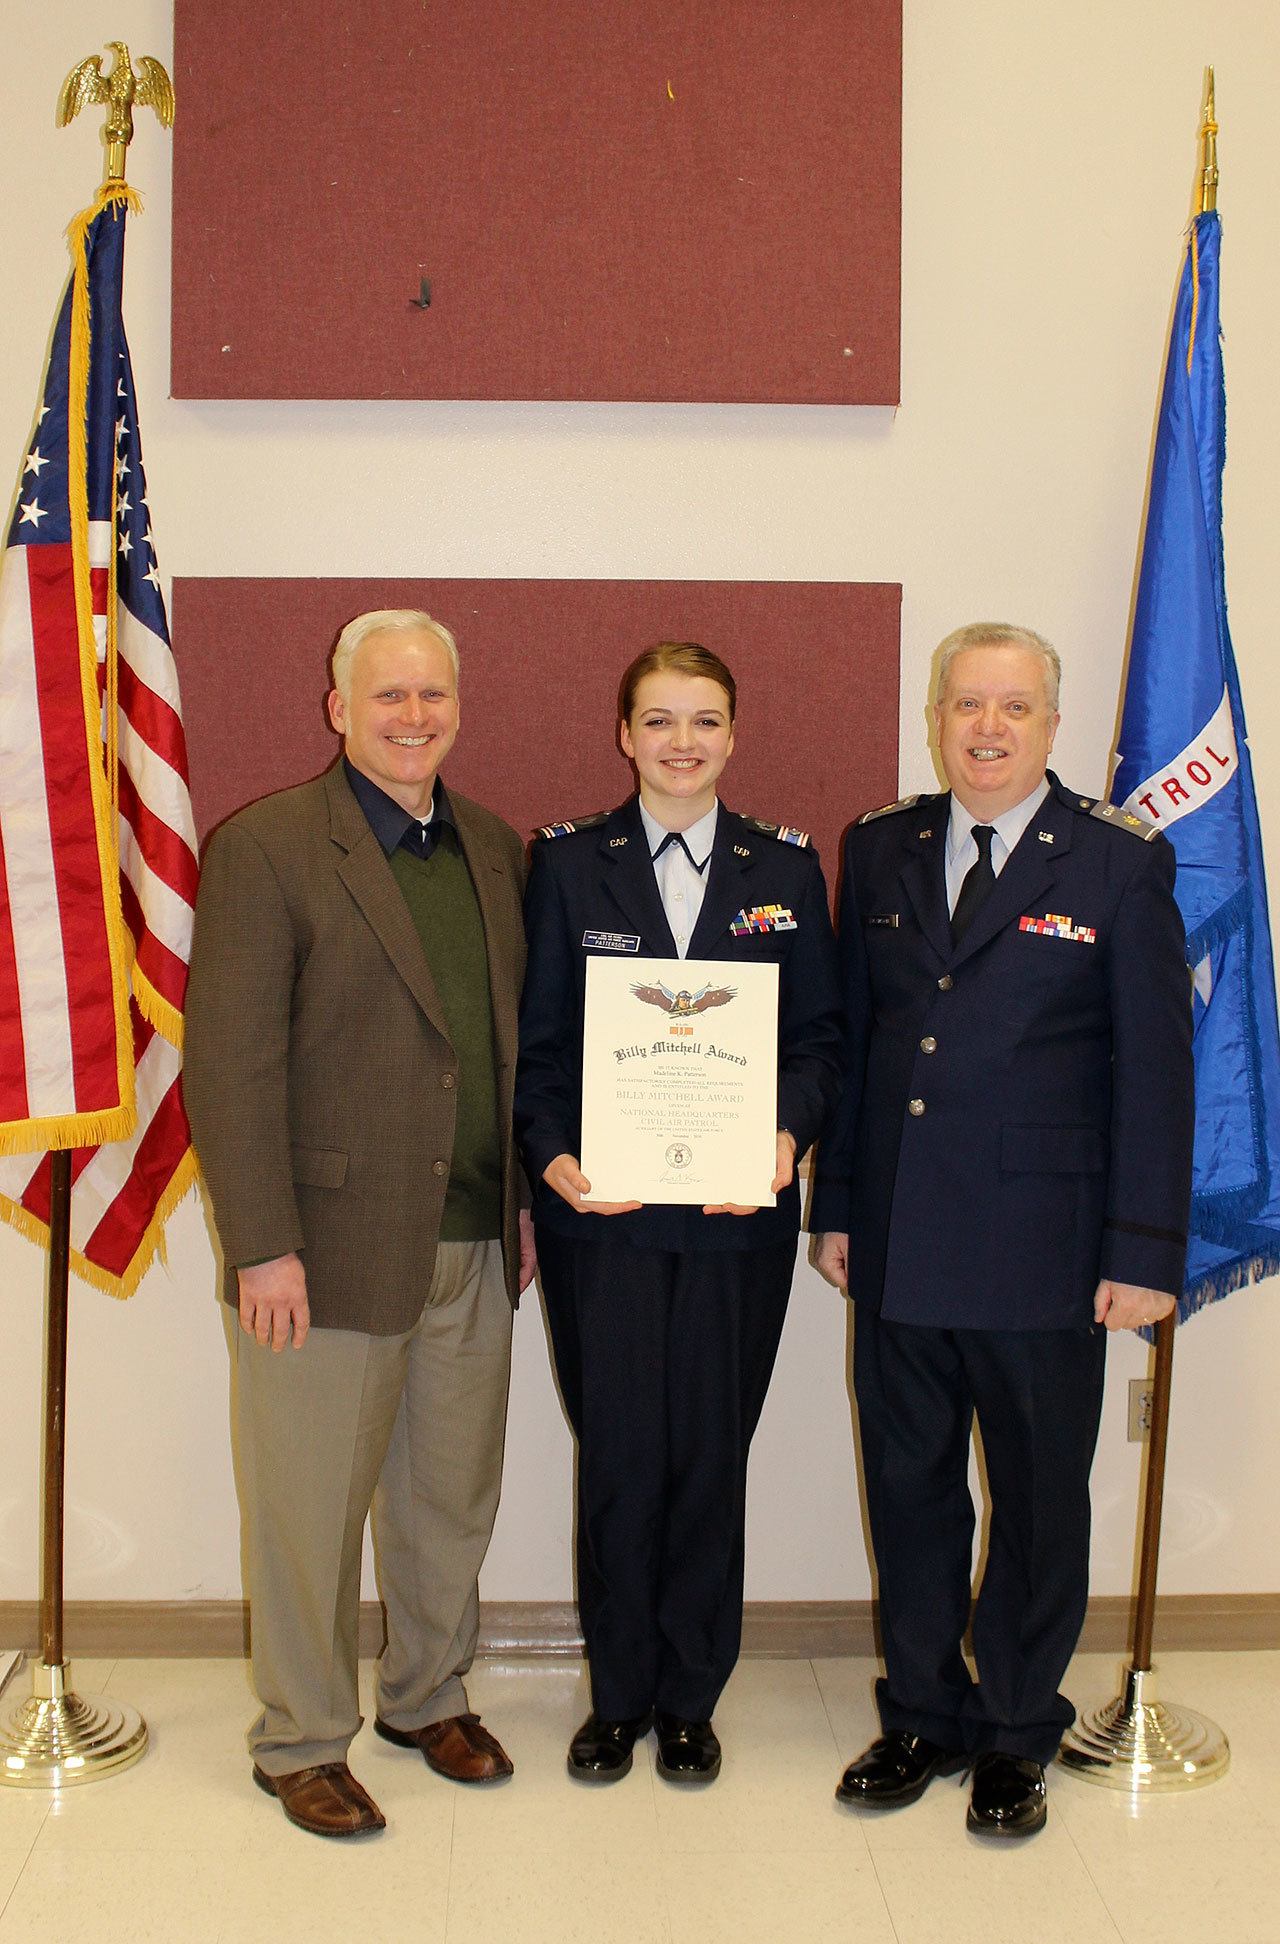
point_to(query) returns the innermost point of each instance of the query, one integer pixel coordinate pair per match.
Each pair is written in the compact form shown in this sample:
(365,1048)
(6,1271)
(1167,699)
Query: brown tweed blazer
(318,1074)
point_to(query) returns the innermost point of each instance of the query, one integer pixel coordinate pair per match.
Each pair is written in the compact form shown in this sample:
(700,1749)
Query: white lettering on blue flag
(1196,773)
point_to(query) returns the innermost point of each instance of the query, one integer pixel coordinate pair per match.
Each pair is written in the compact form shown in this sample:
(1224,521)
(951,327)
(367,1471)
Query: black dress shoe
(1008,1797)
(687,1750)
(896,1770)
(601,1749)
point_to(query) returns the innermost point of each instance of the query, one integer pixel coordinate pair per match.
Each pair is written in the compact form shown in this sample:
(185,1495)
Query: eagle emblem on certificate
(684,1004)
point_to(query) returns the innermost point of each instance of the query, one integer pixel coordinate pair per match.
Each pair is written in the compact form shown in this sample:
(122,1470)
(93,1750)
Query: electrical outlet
(1140,1396)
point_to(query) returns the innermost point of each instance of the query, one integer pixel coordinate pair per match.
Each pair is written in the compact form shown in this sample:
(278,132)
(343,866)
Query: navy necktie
(677,837)
(978,881)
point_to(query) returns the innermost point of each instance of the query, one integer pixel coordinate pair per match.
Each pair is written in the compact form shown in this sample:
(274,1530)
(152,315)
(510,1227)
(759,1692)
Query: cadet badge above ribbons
(763,918)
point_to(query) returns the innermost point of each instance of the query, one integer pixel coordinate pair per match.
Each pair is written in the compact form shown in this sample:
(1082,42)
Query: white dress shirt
(962,852)
(681,886)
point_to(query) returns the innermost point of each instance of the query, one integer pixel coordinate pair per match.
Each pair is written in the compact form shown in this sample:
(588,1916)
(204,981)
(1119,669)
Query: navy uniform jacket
(1018,1120)
(592,889)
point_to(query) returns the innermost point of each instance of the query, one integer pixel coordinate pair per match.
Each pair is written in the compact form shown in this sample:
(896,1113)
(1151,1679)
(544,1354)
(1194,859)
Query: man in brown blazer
(350,1054)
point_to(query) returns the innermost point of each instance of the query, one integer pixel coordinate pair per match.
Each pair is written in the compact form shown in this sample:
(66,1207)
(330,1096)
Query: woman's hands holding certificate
(566,1177)
(786,1167)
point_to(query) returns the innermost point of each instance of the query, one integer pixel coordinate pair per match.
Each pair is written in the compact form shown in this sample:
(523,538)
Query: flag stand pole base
(1143,1745)
(56,1737)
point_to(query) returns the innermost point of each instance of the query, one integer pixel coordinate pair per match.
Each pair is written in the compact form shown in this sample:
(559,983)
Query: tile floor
(183,1850)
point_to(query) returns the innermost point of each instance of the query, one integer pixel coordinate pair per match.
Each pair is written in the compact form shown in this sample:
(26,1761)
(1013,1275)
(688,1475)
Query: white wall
(1049,160)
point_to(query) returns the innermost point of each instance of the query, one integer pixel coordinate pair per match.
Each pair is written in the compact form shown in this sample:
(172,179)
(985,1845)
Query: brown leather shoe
(460,1748)
(326,1800)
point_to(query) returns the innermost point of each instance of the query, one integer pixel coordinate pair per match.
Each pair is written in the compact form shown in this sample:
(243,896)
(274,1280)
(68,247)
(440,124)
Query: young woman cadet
(665,1321)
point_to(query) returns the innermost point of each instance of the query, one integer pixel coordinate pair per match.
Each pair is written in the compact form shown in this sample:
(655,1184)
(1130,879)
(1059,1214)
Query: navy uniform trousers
(664,1359)
(664,1321)
(1037,1396)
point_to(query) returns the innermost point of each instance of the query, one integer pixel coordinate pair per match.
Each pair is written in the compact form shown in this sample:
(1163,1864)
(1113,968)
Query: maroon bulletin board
(816,665)
(688,200)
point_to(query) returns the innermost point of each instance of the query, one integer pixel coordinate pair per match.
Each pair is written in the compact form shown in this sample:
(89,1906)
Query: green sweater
(442,903)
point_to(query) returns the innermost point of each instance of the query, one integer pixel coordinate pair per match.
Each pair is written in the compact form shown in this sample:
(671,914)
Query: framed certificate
(680,1081)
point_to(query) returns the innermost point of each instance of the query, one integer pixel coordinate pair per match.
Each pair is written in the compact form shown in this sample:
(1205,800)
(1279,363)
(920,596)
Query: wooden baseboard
(1186,1623)
(777,1629)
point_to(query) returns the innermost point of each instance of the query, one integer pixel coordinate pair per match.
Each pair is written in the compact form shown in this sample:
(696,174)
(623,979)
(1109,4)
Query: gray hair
(1001,634)
(384,621)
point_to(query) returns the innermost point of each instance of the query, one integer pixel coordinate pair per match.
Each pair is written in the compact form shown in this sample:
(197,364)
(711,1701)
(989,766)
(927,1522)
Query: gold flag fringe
(67,1131)
(151,1245)
(102,781)
(157,1011)
(1193,245)
(111,192)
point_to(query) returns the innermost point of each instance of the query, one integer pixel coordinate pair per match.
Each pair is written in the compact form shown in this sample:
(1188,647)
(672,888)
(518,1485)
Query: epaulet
(887,809)
(783,832)
(571,824)
(1119,819)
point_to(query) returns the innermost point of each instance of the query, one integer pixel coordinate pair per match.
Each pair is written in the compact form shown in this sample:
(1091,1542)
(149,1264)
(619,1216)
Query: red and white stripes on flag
(97,843)
(62,1074)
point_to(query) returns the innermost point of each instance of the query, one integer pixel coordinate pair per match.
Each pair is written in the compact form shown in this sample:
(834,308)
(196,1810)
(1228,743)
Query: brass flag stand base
(1143,1745)
(1137,1743)
(57,1737)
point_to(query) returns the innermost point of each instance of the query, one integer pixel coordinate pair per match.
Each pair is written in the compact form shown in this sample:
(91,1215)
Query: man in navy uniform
(1009,1170)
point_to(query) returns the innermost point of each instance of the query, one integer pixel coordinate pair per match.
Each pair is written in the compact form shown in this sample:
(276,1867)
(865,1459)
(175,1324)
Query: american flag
(97,843)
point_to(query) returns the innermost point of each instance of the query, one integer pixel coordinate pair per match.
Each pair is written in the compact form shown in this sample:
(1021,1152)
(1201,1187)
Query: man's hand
(831,1259)
(566,1177)
(273,1301)
(784,1168)
(1127,1306)
(528,1251)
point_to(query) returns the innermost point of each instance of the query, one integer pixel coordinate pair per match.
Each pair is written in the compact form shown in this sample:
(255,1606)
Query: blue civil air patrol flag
(1183,763)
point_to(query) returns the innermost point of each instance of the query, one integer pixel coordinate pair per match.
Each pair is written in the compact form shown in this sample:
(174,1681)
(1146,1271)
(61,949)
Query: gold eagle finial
(122,90)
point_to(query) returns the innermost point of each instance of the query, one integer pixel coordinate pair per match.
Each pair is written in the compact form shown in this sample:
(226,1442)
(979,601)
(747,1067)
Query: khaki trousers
(411,1426)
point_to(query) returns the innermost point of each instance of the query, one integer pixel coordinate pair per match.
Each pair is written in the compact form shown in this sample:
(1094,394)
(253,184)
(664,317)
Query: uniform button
(915,1107)
(448,1080)
(929,1045)
(945,982)
(439,1167)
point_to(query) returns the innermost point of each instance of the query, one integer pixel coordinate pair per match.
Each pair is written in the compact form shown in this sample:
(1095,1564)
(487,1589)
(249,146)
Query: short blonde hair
(384,621)
(1001,634)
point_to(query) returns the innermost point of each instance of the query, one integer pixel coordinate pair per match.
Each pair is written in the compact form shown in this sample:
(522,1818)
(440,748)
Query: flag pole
(56,1304)
(1144,1615)
(1208,196)
(1137,1742)
(57,1737)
